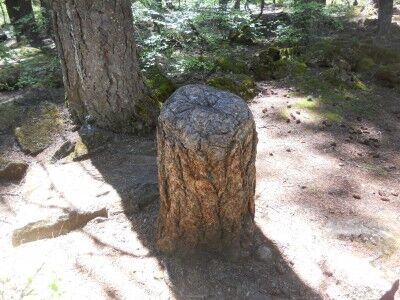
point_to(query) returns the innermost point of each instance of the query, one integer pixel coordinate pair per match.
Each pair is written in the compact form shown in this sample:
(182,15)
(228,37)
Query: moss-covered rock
(80,152)
(239,84)
(270,64)
(40,127)
(9,76)
(388,75)
(232,65)
(160,85)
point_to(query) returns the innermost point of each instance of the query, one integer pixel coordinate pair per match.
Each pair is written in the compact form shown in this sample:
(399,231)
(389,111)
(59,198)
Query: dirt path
(327,218)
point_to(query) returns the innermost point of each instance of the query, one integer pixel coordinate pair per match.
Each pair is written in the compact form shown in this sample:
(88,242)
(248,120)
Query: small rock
(356,196)
(289,131)
(264,253)
(395,194)
(288,150)
(303,187)
(12,170)
(289,106)
(55,226)
(297,112)
(298,121)
(271,154)
(333,144)
(382,193)
(386,199)
(265,110)
(341,164)
(287,120)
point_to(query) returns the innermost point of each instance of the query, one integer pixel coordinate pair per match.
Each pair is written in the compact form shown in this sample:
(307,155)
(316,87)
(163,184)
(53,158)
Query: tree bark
(385,12)
(22,18)
(206,171)
(100,67)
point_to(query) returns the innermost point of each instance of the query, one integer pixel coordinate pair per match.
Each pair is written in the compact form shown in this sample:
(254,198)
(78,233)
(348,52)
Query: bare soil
(327,214)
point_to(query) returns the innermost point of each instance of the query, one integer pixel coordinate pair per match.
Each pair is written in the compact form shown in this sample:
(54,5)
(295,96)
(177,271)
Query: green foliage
(309,20)
(41,70)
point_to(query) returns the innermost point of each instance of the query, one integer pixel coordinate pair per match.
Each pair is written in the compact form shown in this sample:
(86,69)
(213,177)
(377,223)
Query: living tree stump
(206,170)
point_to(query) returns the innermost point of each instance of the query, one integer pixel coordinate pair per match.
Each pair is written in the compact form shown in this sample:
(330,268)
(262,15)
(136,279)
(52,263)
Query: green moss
(39,128)
(228,64)
(364,64)
(161,86)
(80,151)
(239,84)
(381,55)
(9,75)
(10,114)
(388,75)
(306,104)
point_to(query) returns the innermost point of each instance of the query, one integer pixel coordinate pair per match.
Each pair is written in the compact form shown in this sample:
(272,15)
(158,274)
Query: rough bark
(385,12)
(100,67)
(22,18)
(206,163)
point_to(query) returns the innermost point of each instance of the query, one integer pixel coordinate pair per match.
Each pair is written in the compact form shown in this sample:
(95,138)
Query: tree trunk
(22,18)
(237,5)
(100,67)
(385,12)
(206,141)
(46,13)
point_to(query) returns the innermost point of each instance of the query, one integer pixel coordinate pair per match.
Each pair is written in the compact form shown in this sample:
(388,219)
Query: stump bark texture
(206,166)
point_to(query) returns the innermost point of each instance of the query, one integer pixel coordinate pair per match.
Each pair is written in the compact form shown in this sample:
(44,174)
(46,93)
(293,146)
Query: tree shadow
(203,275)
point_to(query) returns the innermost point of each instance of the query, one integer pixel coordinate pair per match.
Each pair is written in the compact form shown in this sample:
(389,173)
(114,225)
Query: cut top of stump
(204,119)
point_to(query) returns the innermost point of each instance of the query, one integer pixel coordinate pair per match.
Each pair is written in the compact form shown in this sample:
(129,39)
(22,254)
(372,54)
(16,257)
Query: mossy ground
(240,84)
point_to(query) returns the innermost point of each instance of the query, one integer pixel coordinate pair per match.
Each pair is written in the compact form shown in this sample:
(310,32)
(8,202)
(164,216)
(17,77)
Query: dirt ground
(327,215)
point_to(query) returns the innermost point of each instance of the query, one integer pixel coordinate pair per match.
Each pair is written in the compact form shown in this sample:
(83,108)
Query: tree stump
(206,170)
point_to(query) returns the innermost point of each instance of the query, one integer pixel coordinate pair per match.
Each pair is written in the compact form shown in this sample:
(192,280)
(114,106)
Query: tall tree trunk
(101,71)
(46,13)
(385,12)
(22,18)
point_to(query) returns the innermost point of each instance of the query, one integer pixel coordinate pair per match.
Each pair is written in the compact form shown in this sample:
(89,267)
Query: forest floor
(327,213)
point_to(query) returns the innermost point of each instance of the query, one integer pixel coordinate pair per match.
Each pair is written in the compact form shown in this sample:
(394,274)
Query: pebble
(333,144)
(265,110)
(297,112)
(298,121)
(288,150)
(395,194)
(289,106)
(386,199)
(356,196)
(287,120)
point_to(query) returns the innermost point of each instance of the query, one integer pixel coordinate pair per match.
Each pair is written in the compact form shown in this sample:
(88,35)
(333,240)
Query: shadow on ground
(131,163)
